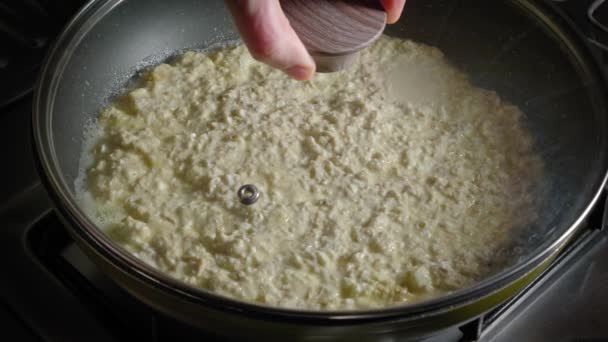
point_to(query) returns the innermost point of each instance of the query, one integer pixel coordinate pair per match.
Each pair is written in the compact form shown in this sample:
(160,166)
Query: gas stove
(50,291)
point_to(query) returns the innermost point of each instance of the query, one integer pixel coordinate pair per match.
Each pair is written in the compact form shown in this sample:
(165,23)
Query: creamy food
(389,182)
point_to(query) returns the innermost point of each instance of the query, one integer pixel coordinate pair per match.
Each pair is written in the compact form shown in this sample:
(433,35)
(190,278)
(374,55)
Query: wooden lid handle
(334,31)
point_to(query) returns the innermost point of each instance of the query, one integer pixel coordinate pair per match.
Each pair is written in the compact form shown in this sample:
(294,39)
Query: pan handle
(587,17)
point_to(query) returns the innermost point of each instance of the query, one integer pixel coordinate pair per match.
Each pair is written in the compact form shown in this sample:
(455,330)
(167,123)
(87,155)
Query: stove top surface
(52,292)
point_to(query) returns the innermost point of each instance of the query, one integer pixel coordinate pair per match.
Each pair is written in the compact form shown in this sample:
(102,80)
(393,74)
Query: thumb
(270,38)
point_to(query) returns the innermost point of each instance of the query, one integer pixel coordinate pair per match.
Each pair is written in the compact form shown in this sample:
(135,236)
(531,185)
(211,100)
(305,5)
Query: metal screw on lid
(334,31)
(248,194)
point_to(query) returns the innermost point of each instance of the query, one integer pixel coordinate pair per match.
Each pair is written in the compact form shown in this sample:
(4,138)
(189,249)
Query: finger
(270,38)
(393,9)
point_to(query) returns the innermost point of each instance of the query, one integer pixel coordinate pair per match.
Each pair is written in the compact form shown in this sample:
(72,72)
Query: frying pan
(525,50)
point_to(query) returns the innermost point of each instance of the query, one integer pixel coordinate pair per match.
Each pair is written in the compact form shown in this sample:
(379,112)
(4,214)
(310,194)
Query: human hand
(271,39)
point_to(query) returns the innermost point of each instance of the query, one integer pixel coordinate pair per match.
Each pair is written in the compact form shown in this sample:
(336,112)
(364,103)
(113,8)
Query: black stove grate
(27,27)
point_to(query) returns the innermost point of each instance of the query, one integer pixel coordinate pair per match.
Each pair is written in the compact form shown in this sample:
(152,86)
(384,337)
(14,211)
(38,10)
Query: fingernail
(299,72)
